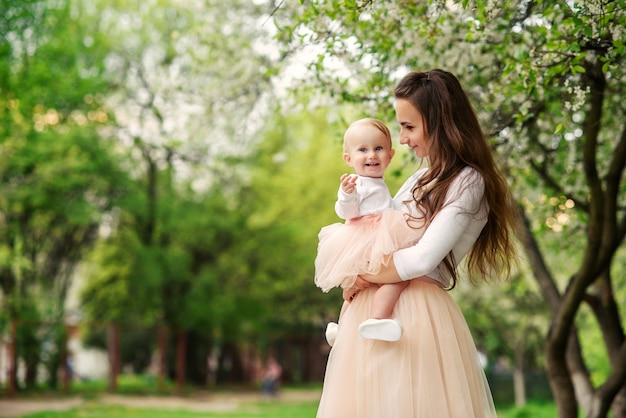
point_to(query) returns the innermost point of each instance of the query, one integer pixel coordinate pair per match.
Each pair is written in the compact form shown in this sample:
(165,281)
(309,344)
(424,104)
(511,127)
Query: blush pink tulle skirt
(360,246)
(433,371)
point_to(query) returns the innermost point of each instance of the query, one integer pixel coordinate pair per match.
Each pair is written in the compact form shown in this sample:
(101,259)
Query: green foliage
(291,205)
(532,410)
(59,178)
(182,77)
(295,181)
(134,350)
(174,282)
(507,320)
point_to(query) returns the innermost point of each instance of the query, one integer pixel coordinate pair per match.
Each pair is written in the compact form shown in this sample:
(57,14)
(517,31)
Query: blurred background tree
(59,177)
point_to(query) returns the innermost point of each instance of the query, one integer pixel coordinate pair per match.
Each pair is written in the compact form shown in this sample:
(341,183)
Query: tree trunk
(230,367)
(578,372)
(619,403)
(30,345)
(12,372)
(32,361)
(113,343)
(181,348)
(312,351)
(556,368)
(558,375)
(519,384)
(162,358)
(288,361)
(66,375)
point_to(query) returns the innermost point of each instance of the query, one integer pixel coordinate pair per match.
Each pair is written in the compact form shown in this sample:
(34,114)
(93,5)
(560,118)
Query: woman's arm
(387,274)
(451,227)
(455,228)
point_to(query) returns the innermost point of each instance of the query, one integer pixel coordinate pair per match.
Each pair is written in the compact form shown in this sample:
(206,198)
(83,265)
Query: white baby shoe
(331,332)
(381,329)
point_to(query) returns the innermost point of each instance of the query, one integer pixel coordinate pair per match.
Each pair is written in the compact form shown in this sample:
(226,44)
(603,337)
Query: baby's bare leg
(385,299)
(381,325)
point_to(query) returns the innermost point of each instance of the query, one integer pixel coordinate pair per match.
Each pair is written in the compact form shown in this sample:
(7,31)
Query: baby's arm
(348,182)
(347,205)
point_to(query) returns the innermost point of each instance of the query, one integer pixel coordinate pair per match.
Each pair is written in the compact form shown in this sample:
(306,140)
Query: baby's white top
(371,196)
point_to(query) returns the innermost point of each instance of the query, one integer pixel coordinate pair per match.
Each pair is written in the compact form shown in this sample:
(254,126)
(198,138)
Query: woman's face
(413,130)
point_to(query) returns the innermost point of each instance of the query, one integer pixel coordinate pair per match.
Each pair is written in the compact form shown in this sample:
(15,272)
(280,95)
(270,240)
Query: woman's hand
(387,274)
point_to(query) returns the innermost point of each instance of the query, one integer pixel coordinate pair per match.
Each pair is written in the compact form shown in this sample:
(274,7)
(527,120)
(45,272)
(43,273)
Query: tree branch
(614,382)
(537,262)
(613,177)
(540,169)
(273,12)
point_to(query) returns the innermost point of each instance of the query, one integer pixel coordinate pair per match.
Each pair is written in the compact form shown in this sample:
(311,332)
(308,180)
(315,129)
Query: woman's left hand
(386,274)
(351,292)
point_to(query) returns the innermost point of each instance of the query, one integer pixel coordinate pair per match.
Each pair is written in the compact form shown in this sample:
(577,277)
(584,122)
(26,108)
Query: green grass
(254,410)
(253,407)
(531,410)
(258,409)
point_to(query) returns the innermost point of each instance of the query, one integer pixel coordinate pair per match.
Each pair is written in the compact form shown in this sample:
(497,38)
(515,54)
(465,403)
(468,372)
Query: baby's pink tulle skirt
(360,246)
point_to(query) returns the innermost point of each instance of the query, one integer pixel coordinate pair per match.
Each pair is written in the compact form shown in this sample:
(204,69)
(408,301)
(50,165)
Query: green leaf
(558,129)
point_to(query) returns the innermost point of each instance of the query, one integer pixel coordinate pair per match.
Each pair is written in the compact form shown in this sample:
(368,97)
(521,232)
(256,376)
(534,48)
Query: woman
(464,202)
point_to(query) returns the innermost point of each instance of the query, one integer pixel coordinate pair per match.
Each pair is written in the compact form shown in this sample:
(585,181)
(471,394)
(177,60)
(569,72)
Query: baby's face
(367,150)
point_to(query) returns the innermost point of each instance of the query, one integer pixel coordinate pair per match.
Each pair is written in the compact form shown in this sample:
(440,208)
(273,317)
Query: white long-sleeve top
(455,228)
(371,196)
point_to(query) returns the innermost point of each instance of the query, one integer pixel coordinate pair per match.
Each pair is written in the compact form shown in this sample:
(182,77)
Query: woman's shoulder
(468,188)
(469,176)
(404,192)
(467,173)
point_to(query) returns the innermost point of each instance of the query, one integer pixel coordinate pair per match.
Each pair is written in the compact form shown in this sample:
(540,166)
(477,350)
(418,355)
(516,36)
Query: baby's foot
(331,332)
(381,329)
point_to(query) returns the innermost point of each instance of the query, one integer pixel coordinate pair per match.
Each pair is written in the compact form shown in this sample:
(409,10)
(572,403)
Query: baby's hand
(350,293)
(348,182)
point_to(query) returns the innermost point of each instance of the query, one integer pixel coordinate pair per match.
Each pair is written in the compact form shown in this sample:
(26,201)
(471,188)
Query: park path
(222,402)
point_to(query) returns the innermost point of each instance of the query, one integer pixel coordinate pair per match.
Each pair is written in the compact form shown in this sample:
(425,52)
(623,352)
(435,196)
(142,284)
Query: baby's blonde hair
(378,124)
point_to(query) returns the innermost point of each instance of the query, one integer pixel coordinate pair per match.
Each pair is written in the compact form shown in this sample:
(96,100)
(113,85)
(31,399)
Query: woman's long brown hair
(457,141)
